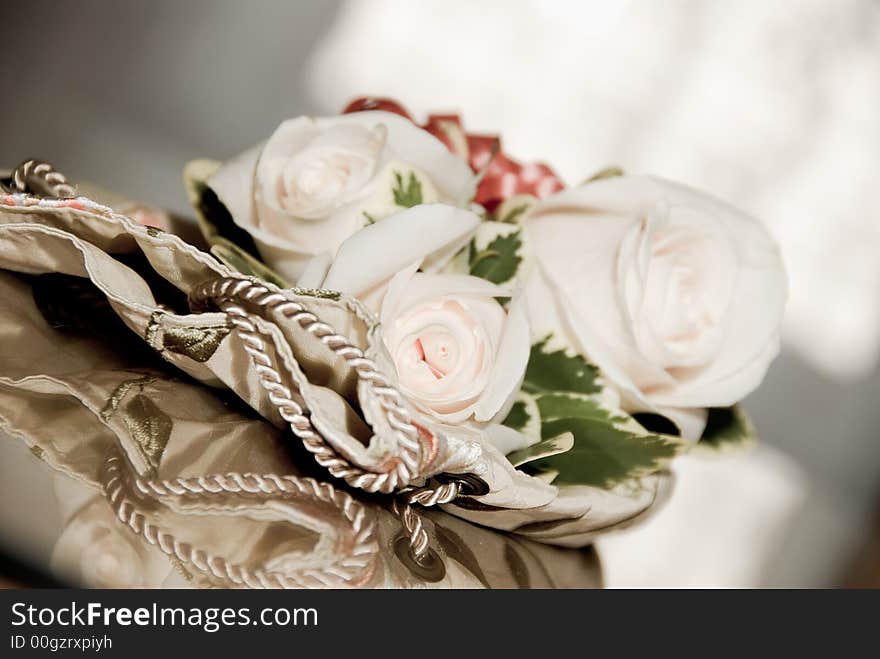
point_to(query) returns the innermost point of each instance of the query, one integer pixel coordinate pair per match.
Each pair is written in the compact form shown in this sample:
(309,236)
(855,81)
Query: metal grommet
(471,485)
(428,567)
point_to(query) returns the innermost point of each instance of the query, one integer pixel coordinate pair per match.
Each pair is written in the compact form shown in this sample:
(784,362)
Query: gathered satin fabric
(101,358)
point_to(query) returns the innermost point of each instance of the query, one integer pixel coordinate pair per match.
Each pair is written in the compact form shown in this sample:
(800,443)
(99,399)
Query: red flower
(503,177)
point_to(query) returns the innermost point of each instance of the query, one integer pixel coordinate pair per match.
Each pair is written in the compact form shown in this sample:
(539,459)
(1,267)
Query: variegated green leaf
(606,450)
(514,209)
(543,449)
(499,260)
(728,428)
(559,371)
(607,447)
(407,193)
(524,416)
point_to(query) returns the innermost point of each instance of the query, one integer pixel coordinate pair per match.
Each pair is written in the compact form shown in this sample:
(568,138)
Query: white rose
(319,180)
(675,295)
(459,354)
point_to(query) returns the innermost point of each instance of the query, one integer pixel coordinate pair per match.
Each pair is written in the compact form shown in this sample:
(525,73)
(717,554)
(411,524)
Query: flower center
(442,353)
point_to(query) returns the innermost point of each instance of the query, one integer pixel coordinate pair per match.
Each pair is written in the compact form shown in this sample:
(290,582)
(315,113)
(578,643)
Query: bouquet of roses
(587,334)
(433,321)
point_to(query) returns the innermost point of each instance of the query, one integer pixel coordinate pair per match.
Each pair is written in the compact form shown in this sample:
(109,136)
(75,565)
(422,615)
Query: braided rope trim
(355,569)
(229,294)
(55,182)
(412,521)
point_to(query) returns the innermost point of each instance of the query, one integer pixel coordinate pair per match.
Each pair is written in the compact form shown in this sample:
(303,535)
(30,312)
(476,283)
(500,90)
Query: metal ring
(429,566)
(471,485)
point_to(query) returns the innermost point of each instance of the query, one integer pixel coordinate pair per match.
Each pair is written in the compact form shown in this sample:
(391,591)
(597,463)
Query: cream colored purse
(240,434)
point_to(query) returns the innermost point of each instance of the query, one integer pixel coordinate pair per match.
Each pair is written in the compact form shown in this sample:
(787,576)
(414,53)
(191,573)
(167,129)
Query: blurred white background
(773,106)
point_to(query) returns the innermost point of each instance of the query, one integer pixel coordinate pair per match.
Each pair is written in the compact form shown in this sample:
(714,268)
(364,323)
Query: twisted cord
(289,405)
(228,293)
(412,522)
(415,530)
(355,569)
(55,182)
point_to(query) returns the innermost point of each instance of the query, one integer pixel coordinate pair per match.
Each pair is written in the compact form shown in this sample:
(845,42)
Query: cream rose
(675,295)
(319,180)
(458,353)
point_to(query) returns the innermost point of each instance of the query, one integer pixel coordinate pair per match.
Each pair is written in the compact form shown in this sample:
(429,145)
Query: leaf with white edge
(395,187)
(518,417)
(409,194)
(514,209)
(499,260)
(728,428)
(559,371)
(609,446)
(543,449)
(524,416)
(605,452)
(514,214)
(565,406)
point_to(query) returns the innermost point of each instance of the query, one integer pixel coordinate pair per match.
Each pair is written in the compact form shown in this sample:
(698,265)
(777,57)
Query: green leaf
(518,417)
(543,449)
(563,406)
(559,372)
(728,428)
(409,195)
(511,216)
(605,452)
(499,261)
(607,447)
(524,416)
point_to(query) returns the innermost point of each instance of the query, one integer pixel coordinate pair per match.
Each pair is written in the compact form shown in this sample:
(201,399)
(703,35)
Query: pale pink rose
(676,296)
(458,353)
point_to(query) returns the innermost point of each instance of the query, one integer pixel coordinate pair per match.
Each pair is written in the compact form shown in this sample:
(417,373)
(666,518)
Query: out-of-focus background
(774,106)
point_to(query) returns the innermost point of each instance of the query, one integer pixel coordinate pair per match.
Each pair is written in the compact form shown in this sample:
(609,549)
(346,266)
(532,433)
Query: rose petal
(691,421)
(233,184)
(505,439)
(509,370)
(315,271)
(451,174)
(375,253)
